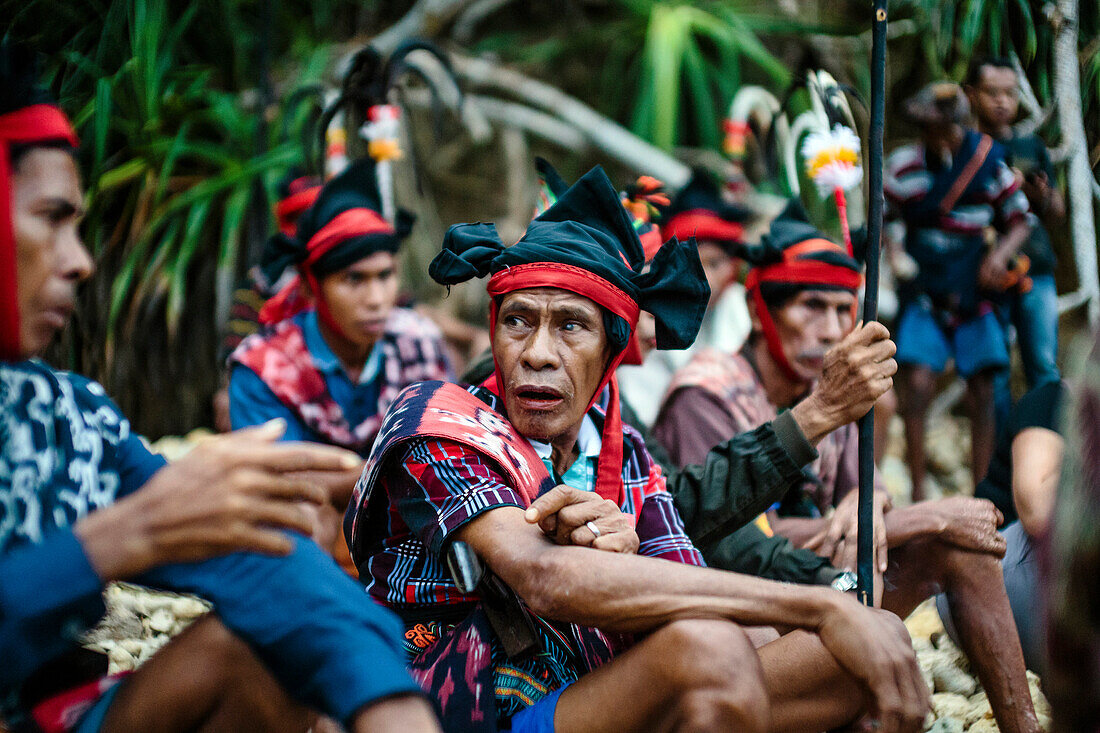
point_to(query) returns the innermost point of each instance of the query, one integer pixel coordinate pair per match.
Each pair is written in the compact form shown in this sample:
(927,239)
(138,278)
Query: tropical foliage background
(188,119)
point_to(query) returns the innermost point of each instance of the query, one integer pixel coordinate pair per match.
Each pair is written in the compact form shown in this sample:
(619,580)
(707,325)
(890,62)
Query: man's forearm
(1009,244)
(631,593)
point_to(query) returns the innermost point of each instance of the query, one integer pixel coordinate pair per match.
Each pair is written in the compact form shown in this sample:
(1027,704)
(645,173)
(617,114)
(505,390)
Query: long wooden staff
(865,554)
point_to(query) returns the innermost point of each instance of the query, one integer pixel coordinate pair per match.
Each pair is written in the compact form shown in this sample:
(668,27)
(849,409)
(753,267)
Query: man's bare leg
(687,676)
(974,585)
(403,714)
(982,423)
(920,385)
(807,688)
(209,680)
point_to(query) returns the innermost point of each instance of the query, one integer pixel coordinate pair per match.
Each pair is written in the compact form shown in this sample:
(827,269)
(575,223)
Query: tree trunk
(1067,89)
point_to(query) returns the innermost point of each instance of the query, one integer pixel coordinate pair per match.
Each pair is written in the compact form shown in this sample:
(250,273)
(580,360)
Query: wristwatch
(844,582)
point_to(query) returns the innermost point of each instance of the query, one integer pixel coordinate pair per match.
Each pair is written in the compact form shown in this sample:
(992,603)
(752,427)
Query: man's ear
(754,317)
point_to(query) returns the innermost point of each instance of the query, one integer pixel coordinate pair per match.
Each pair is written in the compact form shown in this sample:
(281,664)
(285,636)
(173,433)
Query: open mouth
(539,398)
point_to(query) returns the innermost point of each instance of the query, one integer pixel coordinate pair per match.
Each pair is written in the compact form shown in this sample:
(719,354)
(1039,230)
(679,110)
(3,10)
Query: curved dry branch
(426,19)
(1067,86)
(602,133)
(470,18)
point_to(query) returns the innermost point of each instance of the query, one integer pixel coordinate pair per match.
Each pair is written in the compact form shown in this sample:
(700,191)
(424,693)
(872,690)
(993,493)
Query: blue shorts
(539,718)
(975,344)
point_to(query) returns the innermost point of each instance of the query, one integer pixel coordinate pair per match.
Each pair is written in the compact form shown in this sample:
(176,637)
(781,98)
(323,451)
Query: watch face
(845,582)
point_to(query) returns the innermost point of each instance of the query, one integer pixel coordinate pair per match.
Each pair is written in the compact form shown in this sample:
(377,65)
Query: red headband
(800,272)
(357,222)
(347,224)
(609,482)
(702,224)
(37,123)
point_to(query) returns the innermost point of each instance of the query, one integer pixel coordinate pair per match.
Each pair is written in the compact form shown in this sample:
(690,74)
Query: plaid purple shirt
(439,486)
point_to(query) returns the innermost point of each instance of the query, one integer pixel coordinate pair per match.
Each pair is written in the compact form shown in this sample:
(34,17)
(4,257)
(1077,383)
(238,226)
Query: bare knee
(920,385)
(221,651)
(715,674)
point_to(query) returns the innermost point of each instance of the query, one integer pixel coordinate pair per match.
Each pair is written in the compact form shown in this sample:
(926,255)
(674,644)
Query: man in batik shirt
(602,555)
(83,502)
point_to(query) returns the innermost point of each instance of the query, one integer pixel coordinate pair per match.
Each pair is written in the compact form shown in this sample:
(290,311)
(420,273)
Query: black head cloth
(588,228)
(342,227)
(699,210)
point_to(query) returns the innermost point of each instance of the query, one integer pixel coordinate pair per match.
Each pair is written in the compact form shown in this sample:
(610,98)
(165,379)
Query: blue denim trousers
(1035,315)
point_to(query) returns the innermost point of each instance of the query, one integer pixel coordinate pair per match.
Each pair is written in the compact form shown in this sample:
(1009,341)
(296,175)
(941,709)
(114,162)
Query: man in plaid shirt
(533,471)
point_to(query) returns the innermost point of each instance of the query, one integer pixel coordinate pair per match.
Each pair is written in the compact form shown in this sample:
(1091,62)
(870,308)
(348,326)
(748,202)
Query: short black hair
(18,151)
(19,88)
(974,73)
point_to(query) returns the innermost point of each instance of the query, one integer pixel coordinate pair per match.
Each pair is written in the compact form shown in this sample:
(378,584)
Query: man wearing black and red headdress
(83,502)
(331,363)
(697,212)
(544,641)
(805,343)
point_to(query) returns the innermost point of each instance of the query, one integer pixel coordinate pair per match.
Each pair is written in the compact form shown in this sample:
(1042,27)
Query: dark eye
(572,326)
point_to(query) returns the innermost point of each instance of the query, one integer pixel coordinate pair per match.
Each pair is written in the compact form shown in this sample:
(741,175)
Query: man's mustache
(811,354)
(516,384)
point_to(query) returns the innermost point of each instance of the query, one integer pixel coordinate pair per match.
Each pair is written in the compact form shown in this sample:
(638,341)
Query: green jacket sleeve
(739,479)
(750,551)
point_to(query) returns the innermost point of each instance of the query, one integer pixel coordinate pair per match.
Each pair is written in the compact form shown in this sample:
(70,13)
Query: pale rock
(948,676)
(894,475)
(985,725)
(924,622)
(148,649)
(162,621)
(963,480)
(133,646)
(922,645)
(943,446)
(926,673)
(950,705)
(957,656)
(188,608)
(1039,700)
(119,660)
(979,709)
(946,725)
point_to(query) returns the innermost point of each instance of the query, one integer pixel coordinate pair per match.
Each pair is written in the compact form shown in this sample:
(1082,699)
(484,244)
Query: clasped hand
(564,513)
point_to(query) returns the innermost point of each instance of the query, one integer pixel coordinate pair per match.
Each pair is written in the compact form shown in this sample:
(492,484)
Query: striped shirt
(439,486)
(995,201)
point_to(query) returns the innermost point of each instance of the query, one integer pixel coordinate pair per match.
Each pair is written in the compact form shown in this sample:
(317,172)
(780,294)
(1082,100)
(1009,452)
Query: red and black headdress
(586,243)
(342,227)
(699,211)
(296,195)
(27,117)
(794,255)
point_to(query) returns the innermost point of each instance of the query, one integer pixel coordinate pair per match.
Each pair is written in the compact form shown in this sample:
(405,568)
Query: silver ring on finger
(593,529)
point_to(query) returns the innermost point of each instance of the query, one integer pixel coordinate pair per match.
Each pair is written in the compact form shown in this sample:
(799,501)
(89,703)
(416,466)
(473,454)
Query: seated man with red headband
(331,363)
(697,211)
(543,639)
(802,290)
(335,350)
